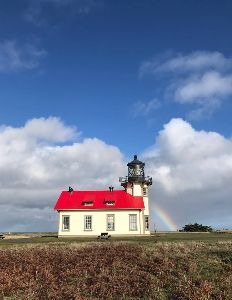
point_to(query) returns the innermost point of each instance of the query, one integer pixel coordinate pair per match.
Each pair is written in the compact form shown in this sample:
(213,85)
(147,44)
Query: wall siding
(99,222)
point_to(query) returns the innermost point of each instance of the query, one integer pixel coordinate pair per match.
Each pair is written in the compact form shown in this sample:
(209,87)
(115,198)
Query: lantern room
(136,170)
(136,174)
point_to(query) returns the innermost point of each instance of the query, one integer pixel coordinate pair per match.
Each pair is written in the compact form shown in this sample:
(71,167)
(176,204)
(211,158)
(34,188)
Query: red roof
(117,199)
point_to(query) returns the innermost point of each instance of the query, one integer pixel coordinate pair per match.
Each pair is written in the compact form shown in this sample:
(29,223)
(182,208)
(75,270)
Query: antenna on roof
(70,189)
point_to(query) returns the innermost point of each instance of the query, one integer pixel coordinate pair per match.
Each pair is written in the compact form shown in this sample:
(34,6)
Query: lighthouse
(136,184)
(110,212)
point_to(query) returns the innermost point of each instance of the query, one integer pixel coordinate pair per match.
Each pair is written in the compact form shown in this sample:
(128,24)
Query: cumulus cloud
(201,79)
(16,57)
(42,158)
(192,172)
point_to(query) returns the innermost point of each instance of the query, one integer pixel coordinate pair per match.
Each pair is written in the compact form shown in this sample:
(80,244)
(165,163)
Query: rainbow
(165,218)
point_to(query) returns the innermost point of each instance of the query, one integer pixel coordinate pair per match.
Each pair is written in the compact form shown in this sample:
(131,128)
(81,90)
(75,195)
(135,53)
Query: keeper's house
(118,212)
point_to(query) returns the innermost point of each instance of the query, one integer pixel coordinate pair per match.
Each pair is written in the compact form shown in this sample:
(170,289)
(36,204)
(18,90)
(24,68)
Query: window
(87,203)
(88,223)
(146,220)
(132,222)
(110,222)
(144,191)
(65,223)
(109,202)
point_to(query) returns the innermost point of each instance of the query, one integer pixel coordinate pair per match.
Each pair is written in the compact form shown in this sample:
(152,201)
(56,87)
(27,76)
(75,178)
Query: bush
(197,228)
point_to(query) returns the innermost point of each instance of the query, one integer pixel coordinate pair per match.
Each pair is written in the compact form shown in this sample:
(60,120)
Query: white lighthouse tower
(137,184)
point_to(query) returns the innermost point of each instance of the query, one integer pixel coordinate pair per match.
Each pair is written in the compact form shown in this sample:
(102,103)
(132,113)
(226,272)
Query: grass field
(164,266)
(34,238)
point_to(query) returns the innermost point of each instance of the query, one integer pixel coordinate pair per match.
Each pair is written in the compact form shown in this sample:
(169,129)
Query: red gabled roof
(117,199)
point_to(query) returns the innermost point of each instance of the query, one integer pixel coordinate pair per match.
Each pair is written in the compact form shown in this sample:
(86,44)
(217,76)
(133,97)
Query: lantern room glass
(136,170)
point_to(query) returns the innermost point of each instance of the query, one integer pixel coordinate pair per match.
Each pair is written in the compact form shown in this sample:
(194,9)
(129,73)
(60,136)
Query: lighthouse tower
(137,184)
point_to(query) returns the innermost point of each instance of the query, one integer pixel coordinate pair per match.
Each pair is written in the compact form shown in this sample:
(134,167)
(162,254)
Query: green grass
(43,238)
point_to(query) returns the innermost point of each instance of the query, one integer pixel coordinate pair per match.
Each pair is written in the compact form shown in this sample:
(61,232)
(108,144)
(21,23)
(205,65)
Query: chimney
(111,188)
(70,189)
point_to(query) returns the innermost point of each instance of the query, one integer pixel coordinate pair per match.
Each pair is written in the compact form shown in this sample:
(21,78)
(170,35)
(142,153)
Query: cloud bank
(42,158)
(191,171)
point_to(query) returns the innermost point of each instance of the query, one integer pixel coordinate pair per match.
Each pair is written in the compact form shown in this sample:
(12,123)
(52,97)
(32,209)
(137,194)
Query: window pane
(145,191)
(146,219)
(110,222)
(88,223)
(66,222)
(132,222)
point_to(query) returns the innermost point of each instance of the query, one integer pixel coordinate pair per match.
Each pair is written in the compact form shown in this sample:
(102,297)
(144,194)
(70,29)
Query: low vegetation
(45,238)
(117,270)
(197,228)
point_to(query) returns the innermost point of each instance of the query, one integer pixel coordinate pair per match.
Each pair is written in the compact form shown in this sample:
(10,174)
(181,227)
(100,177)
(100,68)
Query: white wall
(146,204)
(137,189)
(99,219)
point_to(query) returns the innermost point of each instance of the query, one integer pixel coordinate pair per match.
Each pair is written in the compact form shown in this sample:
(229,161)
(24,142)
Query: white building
(117,212)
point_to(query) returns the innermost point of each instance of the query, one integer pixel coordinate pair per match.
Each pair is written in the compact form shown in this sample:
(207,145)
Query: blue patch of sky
(90,75)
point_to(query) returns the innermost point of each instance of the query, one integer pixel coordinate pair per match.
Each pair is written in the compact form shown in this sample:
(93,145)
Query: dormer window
(87,203)
(109,202)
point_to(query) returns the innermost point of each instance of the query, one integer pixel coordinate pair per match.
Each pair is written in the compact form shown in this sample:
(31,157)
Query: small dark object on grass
(104,236)
(49,236)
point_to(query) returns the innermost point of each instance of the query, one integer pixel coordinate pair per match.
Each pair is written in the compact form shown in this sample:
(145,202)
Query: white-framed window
(146,221)
(65,223)
(133,222)
(110,222)
(88,223)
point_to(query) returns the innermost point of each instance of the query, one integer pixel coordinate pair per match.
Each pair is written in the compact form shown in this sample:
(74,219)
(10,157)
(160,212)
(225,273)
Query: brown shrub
(117,271)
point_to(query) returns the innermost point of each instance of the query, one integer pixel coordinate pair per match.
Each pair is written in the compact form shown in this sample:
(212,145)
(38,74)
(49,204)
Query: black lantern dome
(136,170)
(135,174)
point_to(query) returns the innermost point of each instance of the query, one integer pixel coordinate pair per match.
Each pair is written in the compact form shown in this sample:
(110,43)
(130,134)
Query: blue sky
(88,69)
(118,71)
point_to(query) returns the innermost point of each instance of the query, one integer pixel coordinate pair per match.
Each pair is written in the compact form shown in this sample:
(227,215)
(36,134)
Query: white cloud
(210,85)
(205,108)
(35,167)
(36,10)
(50,129)
(15,57)
(195,61)
(143,108)
(207,92)
(192,173)
(201,79)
